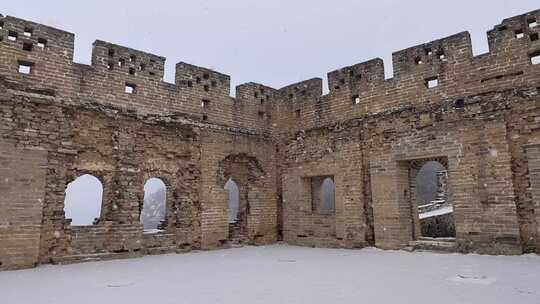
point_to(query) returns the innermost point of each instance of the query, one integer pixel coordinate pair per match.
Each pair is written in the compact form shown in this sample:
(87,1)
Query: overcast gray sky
(274,42)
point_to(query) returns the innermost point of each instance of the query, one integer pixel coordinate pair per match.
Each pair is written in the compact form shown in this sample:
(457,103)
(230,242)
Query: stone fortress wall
(118,120)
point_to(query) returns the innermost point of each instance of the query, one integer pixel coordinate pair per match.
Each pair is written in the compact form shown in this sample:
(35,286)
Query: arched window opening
(154,205)
(328,196)
(234,198)
(82,203)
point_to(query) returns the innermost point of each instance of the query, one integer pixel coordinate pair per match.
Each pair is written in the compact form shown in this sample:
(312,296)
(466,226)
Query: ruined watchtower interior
(344,169)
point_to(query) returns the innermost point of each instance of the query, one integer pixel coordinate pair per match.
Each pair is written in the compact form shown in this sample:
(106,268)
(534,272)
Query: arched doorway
(234,200)
(83,200)
(154,205)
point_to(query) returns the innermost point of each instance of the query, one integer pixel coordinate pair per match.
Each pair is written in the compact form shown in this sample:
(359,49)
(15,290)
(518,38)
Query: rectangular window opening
(25,67)
(28,32)
(297,113)
(1,25)
(534,37)
(535,58)
(12,36)
(323,195)
(532,23)
(356,99)
(519,34)
(432,82)
(42,42)
(130,88)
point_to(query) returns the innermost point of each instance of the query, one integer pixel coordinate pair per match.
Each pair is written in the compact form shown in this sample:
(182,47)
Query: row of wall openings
(323,195)
(83,201)
(531,23)
(122,62)
(27,46)
(520,34)
(429,52)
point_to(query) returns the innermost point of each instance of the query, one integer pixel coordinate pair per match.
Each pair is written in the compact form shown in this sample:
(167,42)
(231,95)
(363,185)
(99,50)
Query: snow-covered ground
(283,274)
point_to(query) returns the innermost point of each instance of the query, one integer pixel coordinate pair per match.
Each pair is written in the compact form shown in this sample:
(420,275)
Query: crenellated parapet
(112,58)
(427,73)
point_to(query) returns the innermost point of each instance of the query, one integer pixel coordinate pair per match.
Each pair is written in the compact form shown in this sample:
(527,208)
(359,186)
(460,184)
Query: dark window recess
(428,51)
(441,55)
(418,60)
(142,67)
(355,99)
(256,94)
(337,87)
(25,67)
(262,100)
(291,96)
(261,114)
(131,71)
(459,104)
(28,46)
(262,91)
(189,84)
(121,62)
(130,88)
(28,32)
(519,34)
(297,113)
(534,37)
(1,25)
(198,80)
(111,53)
(205,103)
(132,58)
(110,65)
(42,42)
(151,73)
(206,76)
(12,36)
(206,88)
(204,117)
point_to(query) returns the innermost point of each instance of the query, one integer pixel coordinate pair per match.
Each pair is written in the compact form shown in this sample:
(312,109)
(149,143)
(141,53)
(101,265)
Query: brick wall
(482,118)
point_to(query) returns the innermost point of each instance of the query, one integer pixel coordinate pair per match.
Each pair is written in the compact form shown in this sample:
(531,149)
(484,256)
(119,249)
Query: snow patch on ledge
(437,212)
